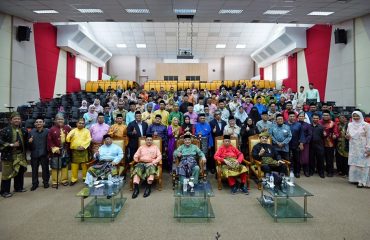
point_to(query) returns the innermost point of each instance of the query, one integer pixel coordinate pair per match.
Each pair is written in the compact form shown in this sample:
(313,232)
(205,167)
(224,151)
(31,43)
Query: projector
(185,54)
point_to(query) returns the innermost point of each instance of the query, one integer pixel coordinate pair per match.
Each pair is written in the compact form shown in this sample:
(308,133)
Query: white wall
(25,86)
(5,60)
(61,76)
(217,65)
(362,58)
(149,65)
(340,83)
(238,68)
(123,66)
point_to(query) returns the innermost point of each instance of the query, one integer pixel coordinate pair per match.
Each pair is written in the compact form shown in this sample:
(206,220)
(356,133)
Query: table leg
(82,209)
(113,207)
(305,207)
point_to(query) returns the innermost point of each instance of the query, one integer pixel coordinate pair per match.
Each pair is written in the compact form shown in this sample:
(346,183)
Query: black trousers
(284,155)
(317,157)
(211,162)
(275,168)
(35,163)
(342,163)
(329,157)
(18,181)
(295,160)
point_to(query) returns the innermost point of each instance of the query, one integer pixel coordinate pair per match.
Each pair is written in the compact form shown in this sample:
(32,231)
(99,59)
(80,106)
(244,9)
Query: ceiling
(159,29)
(161,38)
(207,10)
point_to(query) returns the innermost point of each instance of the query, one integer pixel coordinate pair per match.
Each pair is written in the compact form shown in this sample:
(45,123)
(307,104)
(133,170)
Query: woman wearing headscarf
(358,133)
(248,129)
(305,151)
(83,105)
(186,126)
(254,114)
(90,117)
(173,134)
(240,116)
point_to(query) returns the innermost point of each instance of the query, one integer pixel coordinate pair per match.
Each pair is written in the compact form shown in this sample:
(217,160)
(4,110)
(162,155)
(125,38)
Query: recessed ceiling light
(230,11)
(121,45)
(90,10)
(45,11)
(137,10)
(220,45)
(140,45)
(276,12)
(240,46)
(185,11)
(320,13)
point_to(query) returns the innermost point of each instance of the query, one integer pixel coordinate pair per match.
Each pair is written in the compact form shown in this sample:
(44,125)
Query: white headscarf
(359,122)
(355,127)
(241,116)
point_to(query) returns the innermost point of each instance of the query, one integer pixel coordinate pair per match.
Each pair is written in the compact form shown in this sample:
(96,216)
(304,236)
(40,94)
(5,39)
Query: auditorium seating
(92,86)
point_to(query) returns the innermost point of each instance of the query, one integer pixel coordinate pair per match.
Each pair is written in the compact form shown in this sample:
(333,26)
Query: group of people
(310,139)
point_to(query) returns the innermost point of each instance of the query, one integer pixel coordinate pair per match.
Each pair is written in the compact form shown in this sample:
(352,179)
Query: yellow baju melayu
(79,138)
(164,115)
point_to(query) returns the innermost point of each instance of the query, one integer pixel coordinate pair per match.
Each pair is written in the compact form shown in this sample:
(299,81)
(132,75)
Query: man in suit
(217,126)
(135,130)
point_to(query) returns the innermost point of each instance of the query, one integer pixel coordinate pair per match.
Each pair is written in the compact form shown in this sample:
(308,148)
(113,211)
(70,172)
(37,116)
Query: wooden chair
(218,143)
(158,142)
(180,142)
(255,164)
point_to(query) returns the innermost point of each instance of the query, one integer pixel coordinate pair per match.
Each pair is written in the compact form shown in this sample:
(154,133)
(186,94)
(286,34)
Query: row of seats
(214,85)
(92,86)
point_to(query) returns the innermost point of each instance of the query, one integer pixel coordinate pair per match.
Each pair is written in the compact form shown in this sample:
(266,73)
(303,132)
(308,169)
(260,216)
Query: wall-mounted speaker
(340,36)
(23,33)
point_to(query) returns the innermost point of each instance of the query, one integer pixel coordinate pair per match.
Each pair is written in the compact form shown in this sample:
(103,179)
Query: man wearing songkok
(13,146)
(204,132)
(135,130)
(97,131)
(158,129)
(264,124)
(162,112)
(58,149)
(108,156)
(147,158)
(225,114)
(176,113)
(188,166)
(118,131)
(231,159)
(79,139)
(281,136)
(130,116)
(192,115)
(231,128)
(265,152)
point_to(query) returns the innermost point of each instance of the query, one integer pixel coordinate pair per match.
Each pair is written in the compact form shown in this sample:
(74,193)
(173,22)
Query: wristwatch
(11,145)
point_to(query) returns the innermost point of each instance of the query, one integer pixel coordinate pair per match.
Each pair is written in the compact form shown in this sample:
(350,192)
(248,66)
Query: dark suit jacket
(219,131)
(133,142)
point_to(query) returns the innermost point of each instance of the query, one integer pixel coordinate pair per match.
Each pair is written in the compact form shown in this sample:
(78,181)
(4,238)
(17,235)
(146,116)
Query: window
(192,78)
(94,73)
(171,78)
(282,69)
(81,69)
(267,73)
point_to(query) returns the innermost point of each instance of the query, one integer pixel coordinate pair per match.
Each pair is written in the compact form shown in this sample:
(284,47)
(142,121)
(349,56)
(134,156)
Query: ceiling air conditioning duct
(75,39)
(287,42)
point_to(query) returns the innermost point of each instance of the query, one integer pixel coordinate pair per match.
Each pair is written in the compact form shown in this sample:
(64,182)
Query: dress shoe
(46,185)
(72,183)
(21,190)
(330,175)
(234,189)
(297,175)
(34,187)
(306,174)
(147,191)
(244,190)
(6,195)
(213,171)
(65,184)
(54,185)
(136,191)
(360,185)
(322,175)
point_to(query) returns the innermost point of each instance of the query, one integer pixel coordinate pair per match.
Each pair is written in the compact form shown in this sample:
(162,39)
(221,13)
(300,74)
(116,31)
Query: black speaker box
(23,33)
(340,36)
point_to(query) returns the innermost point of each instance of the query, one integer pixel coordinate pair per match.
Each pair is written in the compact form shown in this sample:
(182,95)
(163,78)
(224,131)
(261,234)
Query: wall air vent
(288,41)
(75,39)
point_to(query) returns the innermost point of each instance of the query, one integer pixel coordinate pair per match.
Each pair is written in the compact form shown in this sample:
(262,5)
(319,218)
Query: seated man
(231,158)
(266,153)
(108,156)
(188,166)
(147,158)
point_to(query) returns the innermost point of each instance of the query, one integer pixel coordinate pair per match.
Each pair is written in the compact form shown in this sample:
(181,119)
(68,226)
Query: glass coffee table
(107,199)
(282,205)
(196,204)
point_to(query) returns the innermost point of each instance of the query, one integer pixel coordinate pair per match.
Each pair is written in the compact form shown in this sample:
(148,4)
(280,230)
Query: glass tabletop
(103,188)
(286,190)
(202,189)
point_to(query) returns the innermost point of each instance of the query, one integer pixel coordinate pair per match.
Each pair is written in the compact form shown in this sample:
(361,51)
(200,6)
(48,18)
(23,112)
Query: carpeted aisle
(340,210)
